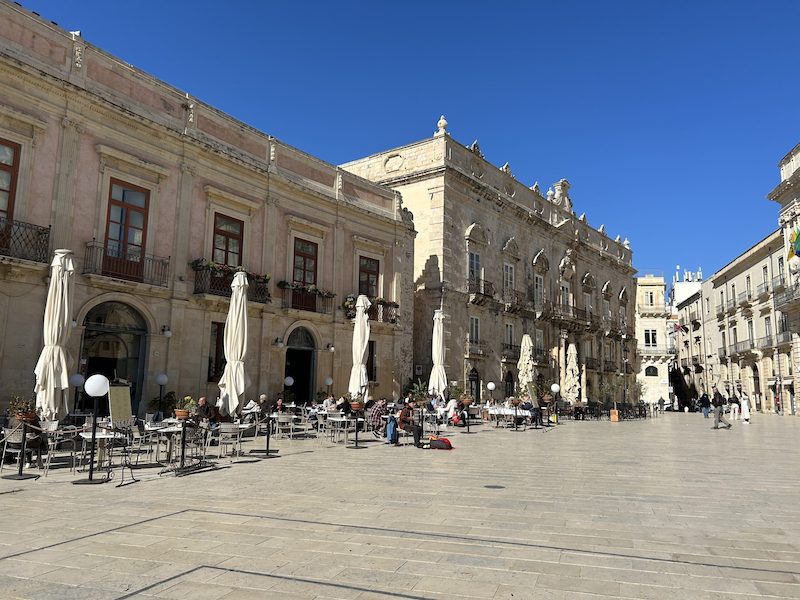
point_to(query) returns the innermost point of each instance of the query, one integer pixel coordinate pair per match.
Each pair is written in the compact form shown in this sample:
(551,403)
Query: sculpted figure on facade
(567,265)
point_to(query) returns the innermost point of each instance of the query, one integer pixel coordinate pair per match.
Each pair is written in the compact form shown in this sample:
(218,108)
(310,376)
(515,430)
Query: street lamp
(96,386)
(555,388)
(161,380)
(76,380)
(329,382)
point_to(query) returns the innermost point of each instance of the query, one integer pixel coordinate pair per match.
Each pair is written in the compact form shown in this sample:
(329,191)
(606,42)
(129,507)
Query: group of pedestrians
(739,404)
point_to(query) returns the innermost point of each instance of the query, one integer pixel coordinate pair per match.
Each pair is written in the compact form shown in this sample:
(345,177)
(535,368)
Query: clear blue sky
(668,118)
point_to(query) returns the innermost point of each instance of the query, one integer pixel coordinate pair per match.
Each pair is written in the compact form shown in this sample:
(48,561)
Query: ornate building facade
(504,259)
(161,198)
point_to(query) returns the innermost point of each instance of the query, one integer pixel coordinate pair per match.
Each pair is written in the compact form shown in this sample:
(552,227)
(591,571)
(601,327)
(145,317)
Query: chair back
(14,436)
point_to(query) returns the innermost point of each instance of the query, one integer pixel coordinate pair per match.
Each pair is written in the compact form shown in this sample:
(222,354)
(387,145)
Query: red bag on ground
(440,444)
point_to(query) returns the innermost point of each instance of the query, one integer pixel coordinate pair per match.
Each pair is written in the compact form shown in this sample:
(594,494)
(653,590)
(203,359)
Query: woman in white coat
(745,406)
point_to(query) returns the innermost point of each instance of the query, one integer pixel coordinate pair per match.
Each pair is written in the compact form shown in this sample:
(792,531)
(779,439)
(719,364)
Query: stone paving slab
(658,509)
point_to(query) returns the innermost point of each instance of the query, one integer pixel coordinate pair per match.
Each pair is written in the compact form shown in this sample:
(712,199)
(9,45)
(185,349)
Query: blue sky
(668,118)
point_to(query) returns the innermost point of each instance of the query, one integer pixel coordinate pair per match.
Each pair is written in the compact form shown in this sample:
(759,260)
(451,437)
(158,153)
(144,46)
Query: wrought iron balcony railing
(540,356)
(592,363)
(24,240)
(480,287)
(789,295)
(510,352)
(383,312)
(745,298)
(306,300)
(610,366)
(763,289)
(784,337)
(720,310)
(218,283)
(130,265)
(477,347)
(765,342)
(721,352)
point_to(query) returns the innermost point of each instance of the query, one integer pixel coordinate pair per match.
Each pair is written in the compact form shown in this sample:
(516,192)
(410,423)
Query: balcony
(721,352)
(540,356)
(382,311)
(592,363)
(218,283)
(742,347)
(477,347)
(510,352)
(563,311)
(720,310)
(765,342)
(745,298)
(778,282)
(610,366)
(628,368)
(762,291)
(129,265)
(541,307)
(730,306)
(658,350)
(784,337)
(513,301)
(788,298)
(24,240)
(309,301)
(480,291)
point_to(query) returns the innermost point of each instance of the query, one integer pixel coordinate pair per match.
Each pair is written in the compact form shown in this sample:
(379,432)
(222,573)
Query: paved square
(666,508)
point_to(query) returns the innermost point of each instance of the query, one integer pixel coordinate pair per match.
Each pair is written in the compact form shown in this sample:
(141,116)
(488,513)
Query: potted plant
(22,408)
(164,405)
(356,402)
(183,407)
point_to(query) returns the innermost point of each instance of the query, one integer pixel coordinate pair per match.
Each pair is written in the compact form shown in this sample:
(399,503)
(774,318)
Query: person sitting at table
(451,408)
(406,422)
(343,406)
(329,403)
(578,413)
(205,411)
(279,406)
(376,418)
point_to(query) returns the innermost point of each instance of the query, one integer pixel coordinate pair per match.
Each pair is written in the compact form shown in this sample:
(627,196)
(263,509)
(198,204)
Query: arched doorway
(300,359)
(114,344)
(474,385)
(509,385)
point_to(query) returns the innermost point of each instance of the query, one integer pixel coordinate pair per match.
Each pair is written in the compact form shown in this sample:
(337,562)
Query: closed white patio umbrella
(358,374)
(572,376)
(52,368)
(234,380)
(526,368)
(437,382)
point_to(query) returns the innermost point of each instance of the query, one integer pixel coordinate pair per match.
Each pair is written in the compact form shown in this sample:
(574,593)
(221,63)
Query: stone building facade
(733,331)
(504,259)
(654,345)
(161,197)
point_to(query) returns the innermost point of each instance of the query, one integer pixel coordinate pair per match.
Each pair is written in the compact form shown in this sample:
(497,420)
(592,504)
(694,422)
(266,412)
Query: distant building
(505,259)
(654,345)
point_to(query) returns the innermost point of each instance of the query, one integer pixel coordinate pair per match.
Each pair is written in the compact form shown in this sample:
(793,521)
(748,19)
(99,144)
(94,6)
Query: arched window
(651,372)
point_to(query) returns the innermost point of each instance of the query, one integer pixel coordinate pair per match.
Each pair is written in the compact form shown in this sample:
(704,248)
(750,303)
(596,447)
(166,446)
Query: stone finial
(602,229)
(582,217)
(626,243)
(475,148)
(506,169)
(442,125)
(535,187)
(616,239)
(550,194)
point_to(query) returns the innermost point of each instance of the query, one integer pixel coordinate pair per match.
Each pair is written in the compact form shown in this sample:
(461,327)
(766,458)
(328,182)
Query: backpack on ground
(440,443)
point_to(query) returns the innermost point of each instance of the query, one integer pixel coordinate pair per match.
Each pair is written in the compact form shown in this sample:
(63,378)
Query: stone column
(180,248)
(63,202)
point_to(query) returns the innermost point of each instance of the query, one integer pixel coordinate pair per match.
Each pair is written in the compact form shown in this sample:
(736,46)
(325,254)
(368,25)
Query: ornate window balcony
(480,291)
(310,301)
(24,240)
(130,265)
(217,282)
(592,363)
(510,352)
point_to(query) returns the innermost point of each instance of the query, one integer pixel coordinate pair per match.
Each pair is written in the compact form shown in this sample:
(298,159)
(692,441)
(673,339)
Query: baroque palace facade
(161,197)
(503,259)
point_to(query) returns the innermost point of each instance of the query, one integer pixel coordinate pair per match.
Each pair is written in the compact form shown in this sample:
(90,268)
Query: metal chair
(230,435)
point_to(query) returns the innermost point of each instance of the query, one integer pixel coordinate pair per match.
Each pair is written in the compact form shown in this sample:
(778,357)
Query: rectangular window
(650,337)
(750,332)
(228,234)
(539,341)
(372,371)
(305,262)
(748,286)
(768,327)
(780,267)
(508,277)
(216,352)
(587,349)
(735,335)
(9,173)
(565,295)
(474,266)
(722,334)
(587,301)
(764,274)
(474,329)
(733,292)
(126,223)
(538,290)
(607,308)
(509,334)
(708,305)
(368,272)
(783,323)
(649,298)
(722,298)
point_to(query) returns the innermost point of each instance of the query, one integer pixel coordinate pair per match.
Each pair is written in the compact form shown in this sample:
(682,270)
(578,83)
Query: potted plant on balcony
(349,306)
(183,407)
(22,408)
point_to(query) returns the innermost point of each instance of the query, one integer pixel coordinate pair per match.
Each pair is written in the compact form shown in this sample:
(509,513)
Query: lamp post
(96,386)
(555,388)
(328,383)
(76,380)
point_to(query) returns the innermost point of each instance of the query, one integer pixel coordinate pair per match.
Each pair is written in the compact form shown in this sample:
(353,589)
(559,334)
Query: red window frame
(227,237)
(125,223)
(369,270)
(302,265)
(13,170)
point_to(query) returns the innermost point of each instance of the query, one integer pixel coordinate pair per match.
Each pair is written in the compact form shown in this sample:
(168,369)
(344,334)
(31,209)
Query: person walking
(745,401)
(719,406)
(734,402)
(705,404)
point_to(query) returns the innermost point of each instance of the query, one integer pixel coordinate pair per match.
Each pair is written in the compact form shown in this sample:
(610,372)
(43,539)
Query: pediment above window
(475,234)
(511,248)
(540,262)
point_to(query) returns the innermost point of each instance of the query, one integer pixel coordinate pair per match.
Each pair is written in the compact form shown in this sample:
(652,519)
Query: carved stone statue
(567,265)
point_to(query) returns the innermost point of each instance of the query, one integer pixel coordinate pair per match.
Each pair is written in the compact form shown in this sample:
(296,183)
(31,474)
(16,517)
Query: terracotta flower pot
(181,414)
(29,417)
(357,406)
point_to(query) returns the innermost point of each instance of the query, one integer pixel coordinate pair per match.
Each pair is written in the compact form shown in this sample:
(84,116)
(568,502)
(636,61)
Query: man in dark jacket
(719,405)
(406,422)
(705,404)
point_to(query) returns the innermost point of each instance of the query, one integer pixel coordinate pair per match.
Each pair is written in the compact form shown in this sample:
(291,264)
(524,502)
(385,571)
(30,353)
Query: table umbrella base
(356,447)
(266,453)
(18,477)
(90,481)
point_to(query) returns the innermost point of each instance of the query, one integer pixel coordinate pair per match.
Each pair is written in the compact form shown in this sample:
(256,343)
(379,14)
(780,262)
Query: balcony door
(126,231)
(304,274)
(9,169)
